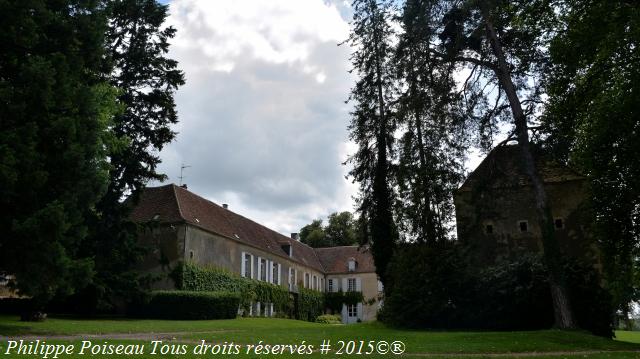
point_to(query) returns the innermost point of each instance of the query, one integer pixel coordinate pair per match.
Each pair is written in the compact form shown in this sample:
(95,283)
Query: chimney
(295,236)
(225,206)
(184,186)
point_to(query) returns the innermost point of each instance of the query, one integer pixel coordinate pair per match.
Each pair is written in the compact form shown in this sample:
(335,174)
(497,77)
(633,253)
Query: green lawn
(556,344)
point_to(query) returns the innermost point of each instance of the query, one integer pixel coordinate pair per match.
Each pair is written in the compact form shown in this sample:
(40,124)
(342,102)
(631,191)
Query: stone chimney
(184,186)
(225,206)
(295,236)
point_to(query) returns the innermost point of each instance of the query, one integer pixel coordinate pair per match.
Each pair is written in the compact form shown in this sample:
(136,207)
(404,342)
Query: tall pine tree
(372,125)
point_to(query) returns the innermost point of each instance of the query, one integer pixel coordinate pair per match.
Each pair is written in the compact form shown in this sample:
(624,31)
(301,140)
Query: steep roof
(175,204)
(502,168)
(335,259)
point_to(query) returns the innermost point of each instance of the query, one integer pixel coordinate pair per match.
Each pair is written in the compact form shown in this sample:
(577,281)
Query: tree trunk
(559,294)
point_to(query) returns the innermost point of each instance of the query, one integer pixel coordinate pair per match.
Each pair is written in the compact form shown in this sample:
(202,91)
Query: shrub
(310,304)
(329,319)
(179,304)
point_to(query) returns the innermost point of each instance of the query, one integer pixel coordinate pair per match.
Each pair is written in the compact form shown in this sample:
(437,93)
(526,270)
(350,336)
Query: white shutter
(358,285)
(259,269)
(252,265)
(279,274)
(242,267)
(345,285)
(360,312)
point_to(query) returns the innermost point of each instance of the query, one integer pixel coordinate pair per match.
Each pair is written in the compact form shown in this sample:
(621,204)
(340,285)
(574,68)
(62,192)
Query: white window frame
(330,286)
(352,310)
(350,287)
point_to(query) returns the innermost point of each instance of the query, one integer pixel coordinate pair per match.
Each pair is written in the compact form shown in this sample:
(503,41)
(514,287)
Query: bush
(310,304)
(190,305)
(191,277)
(436,287)
(329,319)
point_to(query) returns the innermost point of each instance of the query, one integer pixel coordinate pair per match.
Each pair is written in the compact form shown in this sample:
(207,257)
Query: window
(263,269)
(558,223)
(351,285)
(190,254)
(380,286)
(315,282)
(352,264)
(352,310)
(306,280)
(291,279)
(330,285)
(524,226)
(488,229)
(247,265)
(274,273)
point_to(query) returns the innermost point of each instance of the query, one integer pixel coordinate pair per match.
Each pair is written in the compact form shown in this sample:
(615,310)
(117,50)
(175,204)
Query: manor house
(186,227)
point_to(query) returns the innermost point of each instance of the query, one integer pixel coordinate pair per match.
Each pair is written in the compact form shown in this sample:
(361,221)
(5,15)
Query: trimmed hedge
(178,304)
(191,277)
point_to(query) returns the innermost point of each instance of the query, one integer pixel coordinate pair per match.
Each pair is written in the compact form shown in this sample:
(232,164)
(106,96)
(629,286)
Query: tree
(504,42)
(54,138)
(431,146)
(372,125)
(137,43)
(592,121)
(340,229)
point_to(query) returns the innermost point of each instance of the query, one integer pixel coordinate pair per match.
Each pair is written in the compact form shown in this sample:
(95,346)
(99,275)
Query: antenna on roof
(182,167)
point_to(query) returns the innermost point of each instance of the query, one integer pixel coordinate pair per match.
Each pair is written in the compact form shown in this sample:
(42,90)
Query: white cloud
(262,115)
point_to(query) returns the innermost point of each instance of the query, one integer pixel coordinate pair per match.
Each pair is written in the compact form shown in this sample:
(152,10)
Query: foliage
(178,304)
(334,300)
(372,125)
(341,230)
(310,304)
(431,133)
(56,111)
(329,319)
(136,63)
(191,277)
(512,294)
(592,122)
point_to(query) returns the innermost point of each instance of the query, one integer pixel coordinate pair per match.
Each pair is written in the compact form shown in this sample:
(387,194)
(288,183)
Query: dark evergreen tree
(372,125)
(593,121)
(137,43)
(431,146)
(55,112)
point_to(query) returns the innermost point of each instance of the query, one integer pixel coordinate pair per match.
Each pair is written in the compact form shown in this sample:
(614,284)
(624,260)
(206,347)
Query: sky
(263,118)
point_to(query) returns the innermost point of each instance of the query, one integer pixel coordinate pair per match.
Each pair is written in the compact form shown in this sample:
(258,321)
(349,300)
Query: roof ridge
(175,196)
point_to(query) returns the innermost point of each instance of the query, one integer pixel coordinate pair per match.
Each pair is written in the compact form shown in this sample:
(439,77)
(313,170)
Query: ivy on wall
(335,300)
(310,304)
(188,276)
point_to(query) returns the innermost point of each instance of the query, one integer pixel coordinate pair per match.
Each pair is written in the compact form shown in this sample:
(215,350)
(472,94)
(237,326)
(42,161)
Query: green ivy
(310,304)
(188,276)
(335,300)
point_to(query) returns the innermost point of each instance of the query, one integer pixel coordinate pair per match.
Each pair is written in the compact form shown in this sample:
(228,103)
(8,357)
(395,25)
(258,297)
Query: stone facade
(181,226)
(495,208)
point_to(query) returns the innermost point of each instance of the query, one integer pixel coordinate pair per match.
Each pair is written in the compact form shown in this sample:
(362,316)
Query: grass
(558,344)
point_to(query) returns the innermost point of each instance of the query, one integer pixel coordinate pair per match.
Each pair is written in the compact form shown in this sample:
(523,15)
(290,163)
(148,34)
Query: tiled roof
(177,204)
(502,168)
(335,259)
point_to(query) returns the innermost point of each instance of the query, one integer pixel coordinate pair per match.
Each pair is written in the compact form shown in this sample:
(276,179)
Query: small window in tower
(489,228)
(558,223)
(524,226)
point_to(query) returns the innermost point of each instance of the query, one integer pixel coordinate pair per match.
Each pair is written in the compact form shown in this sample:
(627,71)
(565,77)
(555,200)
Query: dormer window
(352,264)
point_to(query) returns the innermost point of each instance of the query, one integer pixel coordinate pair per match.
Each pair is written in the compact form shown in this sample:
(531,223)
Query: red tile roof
(175,204)
(336,259)
(502,168)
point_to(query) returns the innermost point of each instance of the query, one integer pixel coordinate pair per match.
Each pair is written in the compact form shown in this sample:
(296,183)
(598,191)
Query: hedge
(178,304)
(191,277)
(310,304)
